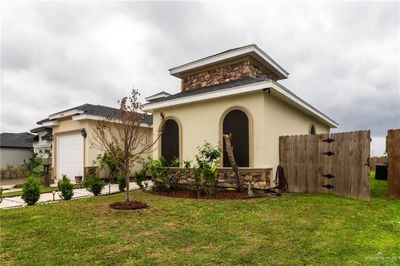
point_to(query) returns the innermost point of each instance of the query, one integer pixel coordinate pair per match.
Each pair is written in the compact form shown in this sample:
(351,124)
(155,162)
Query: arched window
(236,123)
(312,130)
(170,141)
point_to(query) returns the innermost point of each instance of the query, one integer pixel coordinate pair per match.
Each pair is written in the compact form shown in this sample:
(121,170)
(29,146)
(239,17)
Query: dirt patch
(130,205)
(220,194)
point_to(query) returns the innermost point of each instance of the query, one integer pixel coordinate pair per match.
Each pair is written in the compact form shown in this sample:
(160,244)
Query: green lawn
(296,229)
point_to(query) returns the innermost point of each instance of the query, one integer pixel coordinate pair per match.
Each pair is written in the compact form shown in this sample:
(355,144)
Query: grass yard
(295,229)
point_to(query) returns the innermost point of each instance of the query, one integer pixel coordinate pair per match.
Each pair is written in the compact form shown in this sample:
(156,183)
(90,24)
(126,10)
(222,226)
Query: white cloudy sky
(342,57)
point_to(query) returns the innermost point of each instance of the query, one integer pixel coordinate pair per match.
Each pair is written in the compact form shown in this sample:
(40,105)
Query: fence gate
(334,163)
(393,152)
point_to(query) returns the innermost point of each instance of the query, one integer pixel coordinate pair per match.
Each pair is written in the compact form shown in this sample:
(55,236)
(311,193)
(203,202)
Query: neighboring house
(15,148)
(42,141)
(236,91)
(73,152)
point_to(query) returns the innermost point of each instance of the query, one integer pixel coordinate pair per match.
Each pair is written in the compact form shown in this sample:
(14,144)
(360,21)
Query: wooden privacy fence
(334,163)
(393,162)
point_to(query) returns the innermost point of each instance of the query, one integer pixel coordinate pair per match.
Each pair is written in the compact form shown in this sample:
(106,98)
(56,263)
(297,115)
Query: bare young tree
(124,137)
(231,157)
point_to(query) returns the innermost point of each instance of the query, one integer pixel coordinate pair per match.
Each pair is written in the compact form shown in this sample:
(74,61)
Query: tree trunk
(126,184)
(229,151)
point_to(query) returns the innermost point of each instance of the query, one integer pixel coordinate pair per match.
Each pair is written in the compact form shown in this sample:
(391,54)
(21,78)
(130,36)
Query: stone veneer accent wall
(224,74)
(260,177)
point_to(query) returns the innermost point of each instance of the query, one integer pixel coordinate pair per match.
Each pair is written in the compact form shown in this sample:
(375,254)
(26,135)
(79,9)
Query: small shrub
(38,171)
(31,191)
(159,171)
(66,188)
(140,176)
(121,183)
(93,184)
(105,160)
(206,168)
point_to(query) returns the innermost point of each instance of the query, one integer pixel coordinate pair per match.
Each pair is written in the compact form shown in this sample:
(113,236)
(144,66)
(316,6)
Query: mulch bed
(220,194)
(130,205)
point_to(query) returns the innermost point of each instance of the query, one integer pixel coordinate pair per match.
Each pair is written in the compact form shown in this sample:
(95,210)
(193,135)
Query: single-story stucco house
(15,148)
(73,152)
(238,92)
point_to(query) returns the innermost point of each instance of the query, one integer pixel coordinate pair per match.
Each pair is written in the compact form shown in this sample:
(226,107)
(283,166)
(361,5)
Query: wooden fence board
(306,163)
(393,163)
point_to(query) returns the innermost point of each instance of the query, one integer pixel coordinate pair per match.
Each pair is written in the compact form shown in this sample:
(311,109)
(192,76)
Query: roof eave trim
(176,71)
(98,118)
(65,114)
(208,95)
(291,98)
(51,124)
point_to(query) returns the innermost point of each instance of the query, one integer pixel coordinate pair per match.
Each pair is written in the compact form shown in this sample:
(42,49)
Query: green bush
(159,171)
(121,183)
(66,188)
(105,160)
(206,168)
(31,191)
(93,184)
(140,176)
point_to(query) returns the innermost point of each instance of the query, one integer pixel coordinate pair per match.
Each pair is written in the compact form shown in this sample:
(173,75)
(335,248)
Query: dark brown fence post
(393,152)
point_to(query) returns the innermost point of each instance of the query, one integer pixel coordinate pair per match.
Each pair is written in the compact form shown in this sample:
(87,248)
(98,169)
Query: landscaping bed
(220,194)
(128,205)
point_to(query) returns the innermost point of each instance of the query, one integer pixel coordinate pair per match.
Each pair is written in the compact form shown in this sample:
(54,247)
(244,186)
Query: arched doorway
(170,141)
(236,123)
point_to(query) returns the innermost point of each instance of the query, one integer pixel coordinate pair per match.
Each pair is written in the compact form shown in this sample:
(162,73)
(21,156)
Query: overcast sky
(342,57)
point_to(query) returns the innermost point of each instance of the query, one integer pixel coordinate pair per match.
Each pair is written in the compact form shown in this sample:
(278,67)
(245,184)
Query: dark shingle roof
(16,140)
(236,83)
(91,109)
(98,110)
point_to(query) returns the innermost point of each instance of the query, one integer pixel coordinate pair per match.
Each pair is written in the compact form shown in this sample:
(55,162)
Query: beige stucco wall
(14,156)
(201,122)
(269,118)
(282,119)
(91,150)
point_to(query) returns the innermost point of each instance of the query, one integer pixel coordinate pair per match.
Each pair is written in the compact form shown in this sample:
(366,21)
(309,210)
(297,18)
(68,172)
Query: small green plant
(1,194)
(34,165)
(93,184)
(206,169)
(66,188)
(121,183)
(106,160)
(31,191)
(140,176)
(159,171)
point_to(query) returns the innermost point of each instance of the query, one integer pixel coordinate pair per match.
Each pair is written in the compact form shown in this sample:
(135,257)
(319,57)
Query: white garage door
(70,155)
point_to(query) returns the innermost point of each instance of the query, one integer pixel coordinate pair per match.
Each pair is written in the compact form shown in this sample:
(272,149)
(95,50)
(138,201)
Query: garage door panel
(70,155)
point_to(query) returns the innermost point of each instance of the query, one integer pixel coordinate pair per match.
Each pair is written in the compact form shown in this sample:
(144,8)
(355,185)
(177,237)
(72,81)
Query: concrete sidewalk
(17,201)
